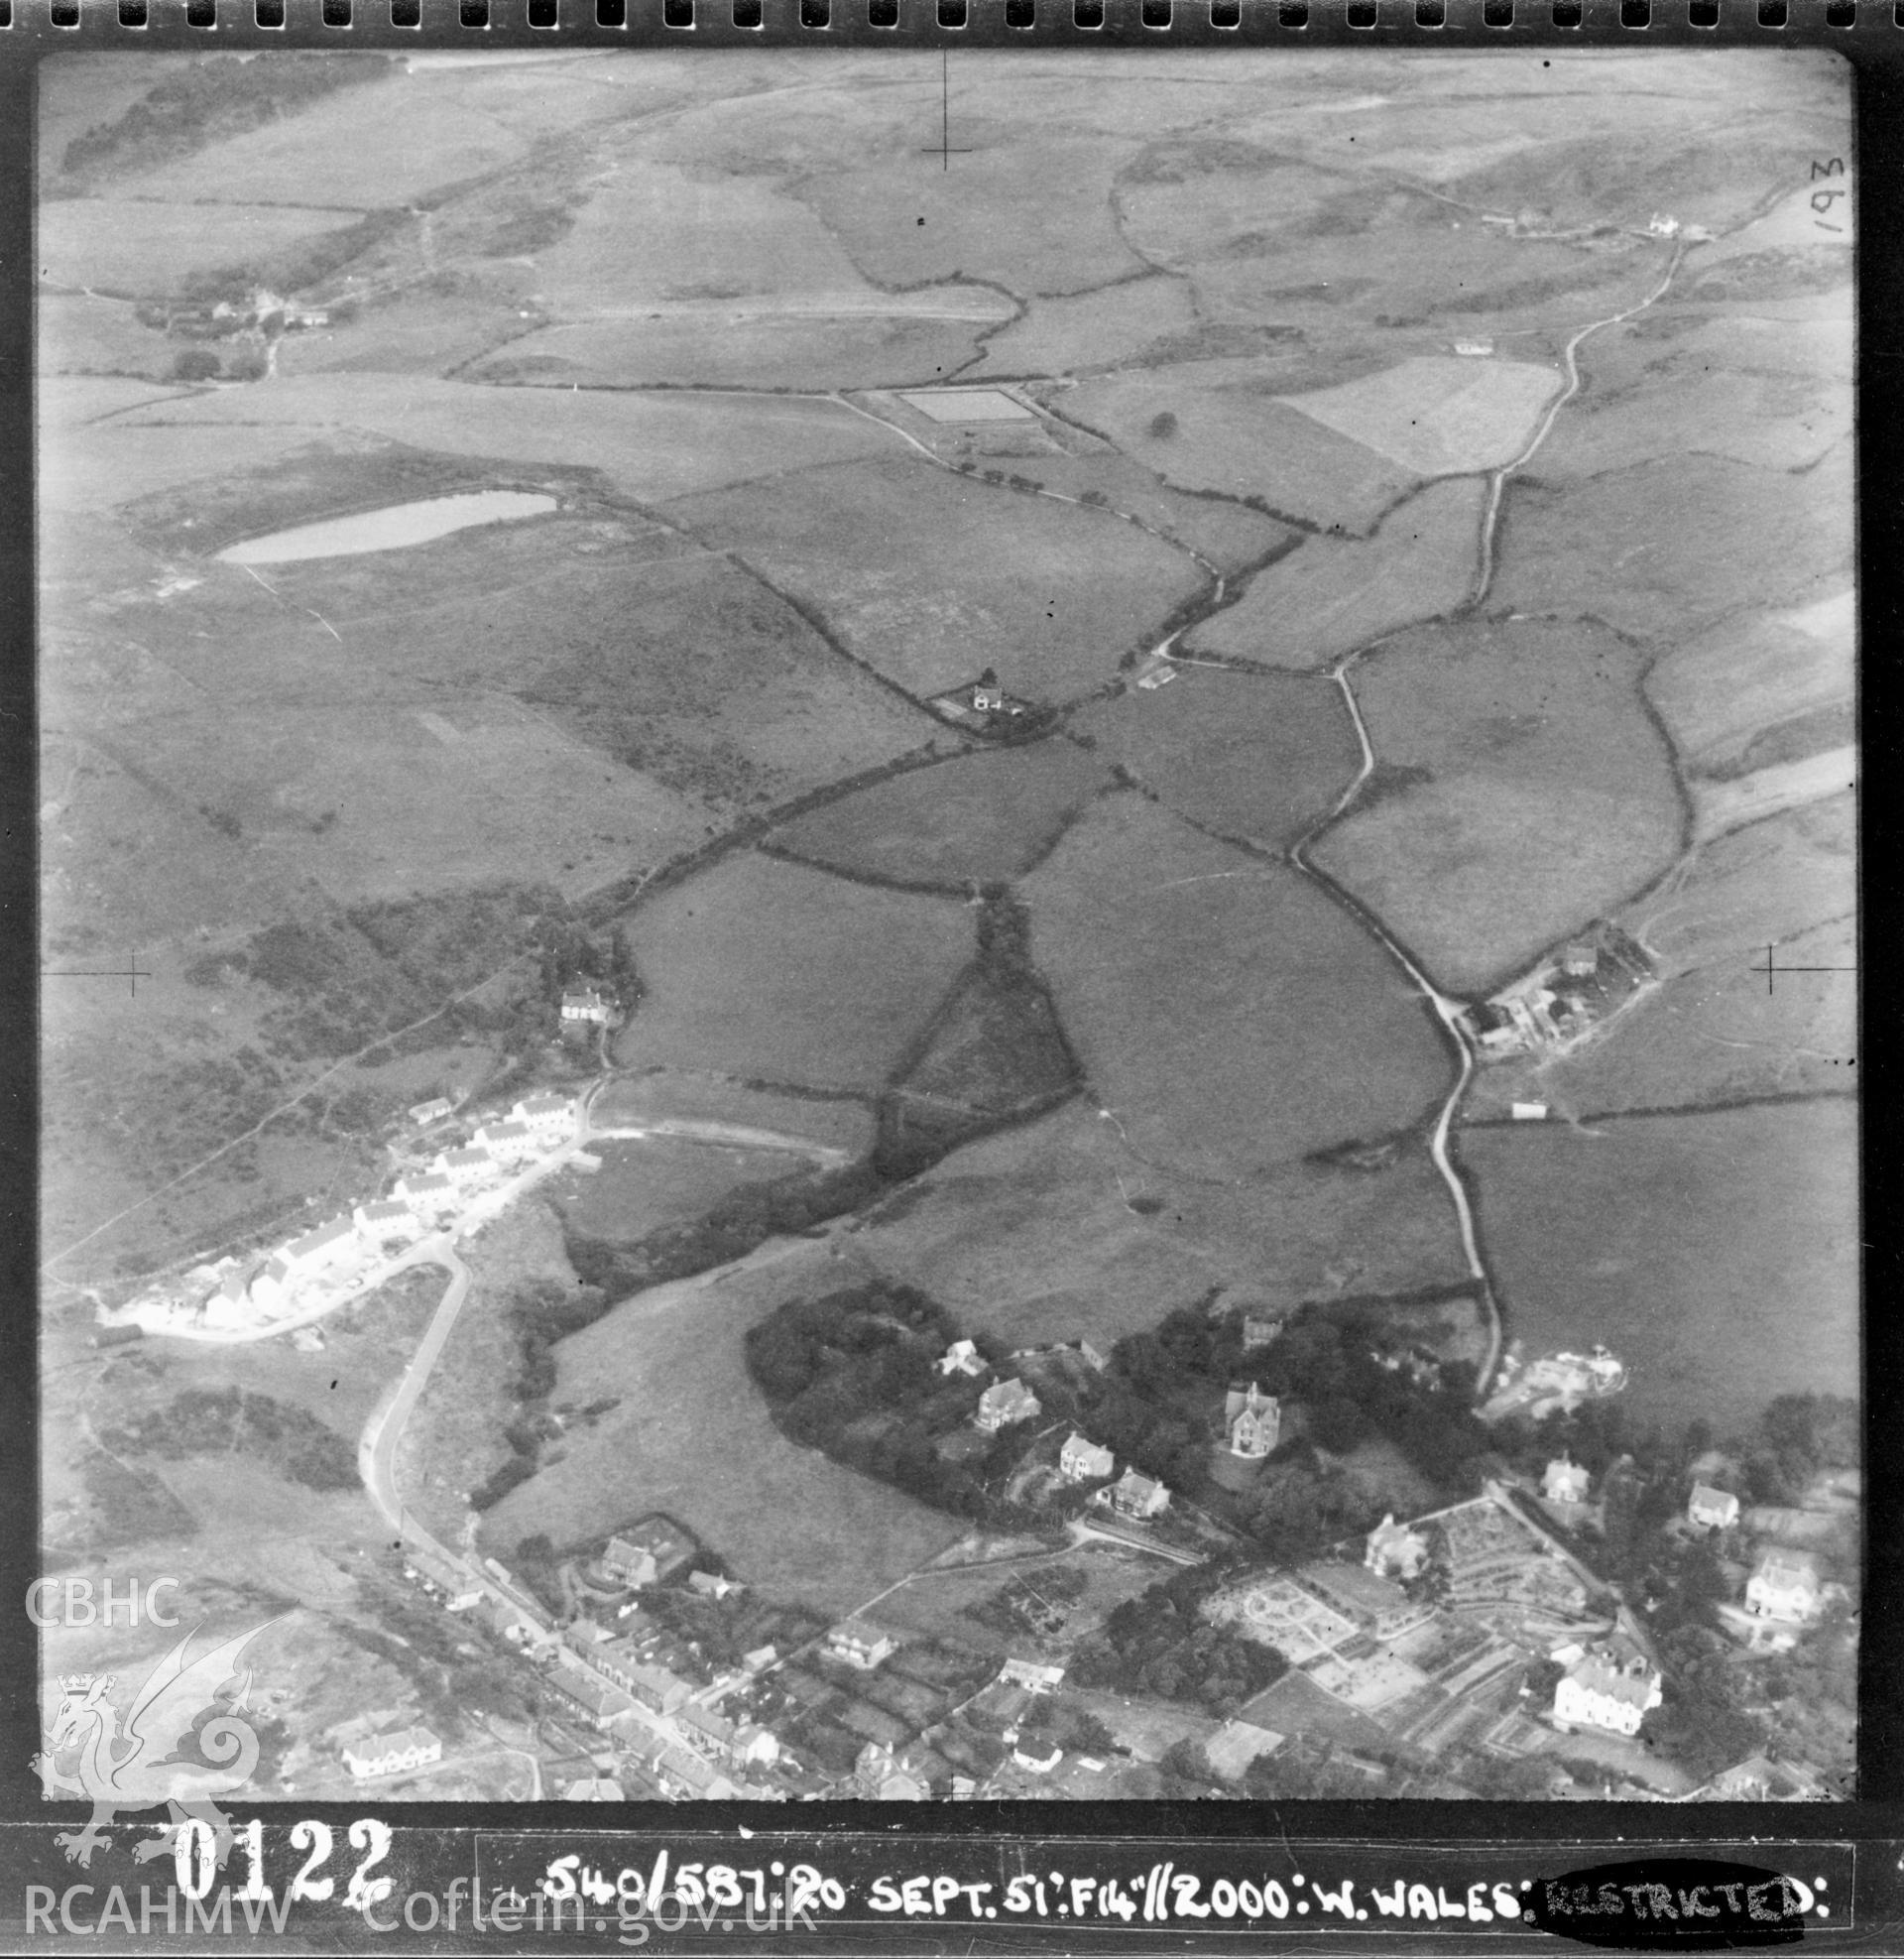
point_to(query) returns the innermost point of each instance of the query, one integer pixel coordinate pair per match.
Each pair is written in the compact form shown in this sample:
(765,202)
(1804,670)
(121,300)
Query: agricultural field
(1530,792)
(1106,329)
(1227,1013)
(1254,756)
(1717,1254)
(1716,1031)
(761,967)
(1057,1230)
(1212,425)
(658,1094)
(89,242)
(1437,414)
(1739,539)
(691,1435)
(980,818)
(930,578)
(1336,594)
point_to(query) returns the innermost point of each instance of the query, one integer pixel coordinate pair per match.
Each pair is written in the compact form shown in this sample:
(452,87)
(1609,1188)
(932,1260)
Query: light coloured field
(154,248)
(979,818)
(1725,806)
(1439,415)
(82,335)
(693,1438)
(760,967)
(1753,671)
(1229,1014)
(1549,794)
(1031,1234)
(855,347)
(1257,756)
(665,1095)
(654,446)
(1230,439)
(1336,594)
(931,579)
(1677,1240)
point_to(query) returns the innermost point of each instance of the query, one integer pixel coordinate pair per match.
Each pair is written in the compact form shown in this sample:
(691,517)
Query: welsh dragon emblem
(137,1760)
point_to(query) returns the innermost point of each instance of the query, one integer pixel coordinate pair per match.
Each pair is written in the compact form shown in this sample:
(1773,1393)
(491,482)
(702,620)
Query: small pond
(389,528)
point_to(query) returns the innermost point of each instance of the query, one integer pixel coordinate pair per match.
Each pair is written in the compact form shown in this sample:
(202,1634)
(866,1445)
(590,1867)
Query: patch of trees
(211,1422)
(1159,1644)
(213,98)
(539,1316)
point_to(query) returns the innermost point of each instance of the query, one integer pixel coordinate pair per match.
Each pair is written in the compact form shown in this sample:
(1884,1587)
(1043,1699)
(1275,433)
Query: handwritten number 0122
(196,1861)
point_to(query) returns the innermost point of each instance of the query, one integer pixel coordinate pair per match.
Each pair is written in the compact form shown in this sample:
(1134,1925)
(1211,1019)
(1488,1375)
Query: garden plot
(1336,594)
(1439,416)
(1520,790)
(763,968)
(1227,1013)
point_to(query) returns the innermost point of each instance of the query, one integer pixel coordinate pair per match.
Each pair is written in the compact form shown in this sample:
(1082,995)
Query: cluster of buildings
(1566,997)
(348,1248)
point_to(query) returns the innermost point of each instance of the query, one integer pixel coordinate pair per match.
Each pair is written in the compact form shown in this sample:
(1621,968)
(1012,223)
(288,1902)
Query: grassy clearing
(1439,416)
(662,1181)
(1549,796)
(1232,436)
(977,819)
(80,336)
(87,241)
(1230,1014)
(758,967)
(1739,539)
(1713,1031)
(1715,1254)
(1252,756)
(930,578)
(791,1523)
(1334,595)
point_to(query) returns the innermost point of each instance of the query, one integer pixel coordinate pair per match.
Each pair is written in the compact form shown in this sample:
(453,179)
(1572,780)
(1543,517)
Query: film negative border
(1862,25)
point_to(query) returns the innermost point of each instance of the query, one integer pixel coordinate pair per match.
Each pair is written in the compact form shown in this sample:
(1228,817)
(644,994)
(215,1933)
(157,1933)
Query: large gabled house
(1082,1460)
(1604,1691)
(1252,1422)
(1133,1495)
(1005,1403)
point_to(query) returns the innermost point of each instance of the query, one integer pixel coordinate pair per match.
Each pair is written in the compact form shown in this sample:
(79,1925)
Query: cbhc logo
(73,1602)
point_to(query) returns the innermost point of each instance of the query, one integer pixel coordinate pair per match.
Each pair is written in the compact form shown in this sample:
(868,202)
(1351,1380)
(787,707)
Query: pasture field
(760,967)
(1050,228)
(1230,438)
(930,578)
(1111,327)
(1057,1230)
(153,251)
(1229,536)
(648,447)
(997,1049)
(981,817)
(662,1094)
(1255,755)
(1336,594)
(1549,794)
(1229,1014)
(1679,1239)
(1723,807)
(1714,1032)
(78,335)
(661,1181)
(1739,539)
(1439,415)
(723,346)
(692,1436)
(1193,198)
(1751,674)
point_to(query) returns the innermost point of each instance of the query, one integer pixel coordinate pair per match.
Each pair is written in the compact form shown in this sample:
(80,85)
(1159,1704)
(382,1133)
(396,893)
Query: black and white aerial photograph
(946,925)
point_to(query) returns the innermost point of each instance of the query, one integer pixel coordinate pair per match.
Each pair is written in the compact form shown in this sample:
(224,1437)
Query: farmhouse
(1565,1482)
(1033,1674)
(586,1005)
(392,1755)
(628,1564)
(1134,1495)
(1785,1586)
(1082,1460)
(962,1357)
(1260,1331)
(1712,1510)
(711,1584)
(859,1643)
(1253,1421)
(1155,672)
(1394,1550)
(1005,1403)
(1602,1691)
